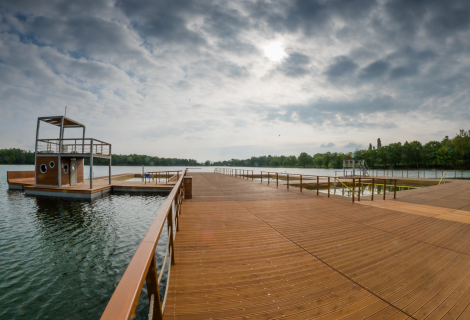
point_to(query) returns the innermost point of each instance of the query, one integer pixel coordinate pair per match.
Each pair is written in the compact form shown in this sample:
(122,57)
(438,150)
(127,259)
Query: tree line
(448,153)
(18,156)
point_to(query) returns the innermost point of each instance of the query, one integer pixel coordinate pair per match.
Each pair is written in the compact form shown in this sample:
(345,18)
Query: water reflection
(64,258)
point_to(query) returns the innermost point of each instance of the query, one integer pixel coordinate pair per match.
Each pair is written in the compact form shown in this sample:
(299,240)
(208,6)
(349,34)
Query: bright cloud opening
(274,51)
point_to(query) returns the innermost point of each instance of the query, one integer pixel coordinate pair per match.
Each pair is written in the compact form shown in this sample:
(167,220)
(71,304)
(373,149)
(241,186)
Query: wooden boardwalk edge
(247,251)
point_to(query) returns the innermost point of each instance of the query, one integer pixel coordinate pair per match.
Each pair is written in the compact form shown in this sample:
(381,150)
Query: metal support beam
(91,164)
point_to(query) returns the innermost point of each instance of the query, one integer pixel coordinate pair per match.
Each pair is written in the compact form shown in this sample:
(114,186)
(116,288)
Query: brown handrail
(142,267)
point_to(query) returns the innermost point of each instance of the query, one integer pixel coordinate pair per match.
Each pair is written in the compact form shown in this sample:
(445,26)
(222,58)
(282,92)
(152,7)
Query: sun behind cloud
(274,51)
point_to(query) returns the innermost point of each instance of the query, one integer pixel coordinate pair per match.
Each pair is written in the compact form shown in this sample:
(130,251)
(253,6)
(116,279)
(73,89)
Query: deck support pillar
(110,164)
(91,164)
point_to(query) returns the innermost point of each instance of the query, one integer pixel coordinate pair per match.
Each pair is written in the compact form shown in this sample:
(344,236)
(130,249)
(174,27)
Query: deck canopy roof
(56,120)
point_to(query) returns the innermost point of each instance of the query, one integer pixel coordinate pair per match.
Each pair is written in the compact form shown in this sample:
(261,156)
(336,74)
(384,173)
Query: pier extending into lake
(246,250)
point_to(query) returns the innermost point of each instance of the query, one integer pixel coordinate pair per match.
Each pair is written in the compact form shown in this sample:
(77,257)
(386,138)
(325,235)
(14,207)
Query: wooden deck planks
(249,251)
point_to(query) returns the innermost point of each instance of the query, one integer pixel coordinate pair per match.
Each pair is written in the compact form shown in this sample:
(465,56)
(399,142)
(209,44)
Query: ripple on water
(63,258)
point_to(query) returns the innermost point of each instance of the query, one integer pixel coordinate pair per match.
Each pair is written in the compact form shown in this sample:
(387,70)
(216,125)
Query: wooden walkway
(248,251)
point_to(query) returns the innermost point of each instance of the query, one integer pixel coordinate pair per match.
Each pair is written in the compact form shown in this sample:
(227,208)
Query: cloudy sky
(231,79)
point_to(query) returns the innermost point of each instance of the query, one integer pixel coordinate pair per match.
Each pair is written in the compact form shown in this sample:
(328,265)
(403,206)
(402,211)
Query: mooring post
(318,185)
(287,181)
(300,183)
(328,187)
(261,176)
(395,190)
(268,178)
(353,189)
(277,180)
(385,186)
(372,197)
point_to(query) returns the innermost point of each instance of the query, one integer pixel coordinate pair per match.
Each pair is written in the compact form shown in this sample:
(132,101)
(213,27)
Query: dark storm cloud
(363,57)
(309,17)
(341,66)
(374,70)
(343,113)
(295,65)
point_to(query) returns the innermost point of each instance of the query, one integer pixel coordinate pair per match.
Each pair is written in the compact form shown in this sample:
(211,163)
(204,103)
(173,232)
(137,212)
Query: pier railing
(420,174)
(304,180)
(74,146)
(157,175)
(143,266)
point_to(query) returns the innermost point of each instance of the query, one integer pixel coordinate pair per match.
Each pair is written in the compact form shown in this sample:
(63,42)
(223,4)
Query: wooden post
(385,186)
(287,181)
(152,289)
(277,180)
(328,187)
(251,175)
(359,190)
(395,190)
(318,185)
(373,185)
(300,183)
(353,188)
(268,178)
(261,176)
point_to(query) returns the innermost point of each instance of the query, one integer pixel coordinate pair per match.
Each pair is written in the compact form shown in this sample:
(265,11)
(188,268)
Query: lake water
(62,259)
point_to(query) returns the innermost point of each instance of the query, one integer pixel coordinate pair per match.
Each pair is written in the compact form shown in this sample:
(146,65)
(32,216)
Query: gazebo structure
(60,162)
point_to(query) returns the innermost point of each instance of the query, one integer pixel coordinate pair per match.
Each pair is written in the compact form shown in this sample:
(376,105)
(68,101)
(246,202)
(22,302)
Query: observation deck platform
(24,180)
(246,250)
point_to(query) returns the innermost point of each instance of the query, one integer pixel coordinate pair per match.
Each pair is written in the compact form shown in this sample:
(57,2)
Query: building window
(52,164)
(66,168)
(43,168)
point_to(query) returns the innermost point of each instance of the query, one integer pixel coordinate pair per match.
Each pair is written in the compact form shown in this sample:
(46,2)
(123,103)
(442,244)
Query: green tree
(304,159)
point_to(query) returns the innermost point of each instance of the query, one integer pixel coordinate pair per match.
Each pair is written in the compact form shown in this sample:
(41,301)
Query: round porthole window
(43,168)
(52,164)
(66,168)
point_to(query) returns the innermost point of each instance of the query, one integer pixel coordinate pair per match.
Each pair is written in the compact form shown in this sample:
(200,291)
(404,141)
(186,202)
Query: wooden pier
(246,250)
(24,180)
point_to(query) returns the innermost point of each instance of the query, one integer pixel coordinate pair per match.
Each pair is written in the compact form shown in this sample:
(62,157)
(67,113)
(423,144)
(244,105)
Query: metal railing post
(268,178)
(395,190)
